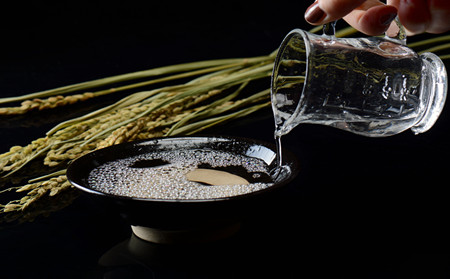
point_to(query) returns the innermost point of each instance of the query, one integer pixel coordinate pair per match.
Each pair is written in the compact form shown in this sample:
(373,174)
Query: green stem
(164,79)
(238,78)
(431,41)
(131,76)
(207,123)
(436,48)
(201,113)
(46,177)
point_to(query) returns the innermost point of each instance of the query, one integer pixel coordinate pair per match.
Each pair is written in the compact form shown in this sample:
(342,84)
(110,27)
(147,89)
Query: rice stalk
(428,42)
(185,67)
(193,69)
(209,122)
(436,48)
(43,104)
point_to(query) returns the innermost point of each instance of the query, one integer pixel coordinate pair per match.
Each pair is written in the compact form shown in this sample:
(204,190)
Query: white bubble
(169,181)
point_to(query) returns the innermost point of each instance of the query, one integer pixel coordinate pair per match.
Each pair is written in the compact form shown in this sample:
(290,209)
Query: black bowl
(199,219)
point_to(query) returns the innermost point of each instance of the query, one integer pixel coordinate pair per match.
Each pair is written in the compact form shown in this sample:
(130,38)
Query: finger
(414,15)
(370,16)
(373,21)
(440,16)
(323,11)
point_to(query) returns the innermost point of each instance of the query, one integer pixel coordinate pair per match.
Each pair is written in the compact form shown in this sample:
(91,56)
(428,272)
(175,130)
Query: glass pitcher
(369,86)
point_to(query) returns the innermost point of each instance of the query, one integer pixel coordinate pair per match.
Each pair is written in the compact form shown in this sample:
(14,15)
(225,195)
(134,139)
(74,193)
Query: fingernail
(387,19)
(314,14)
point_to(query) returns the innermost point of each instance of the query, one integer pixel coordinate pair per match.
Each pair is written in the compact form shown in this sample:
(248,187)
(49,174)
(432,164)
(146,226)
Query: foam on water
(167,179)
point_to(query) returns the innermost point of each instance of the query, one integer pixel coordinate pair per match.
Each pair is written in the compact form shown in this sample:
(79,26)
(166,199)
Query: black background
(360,207)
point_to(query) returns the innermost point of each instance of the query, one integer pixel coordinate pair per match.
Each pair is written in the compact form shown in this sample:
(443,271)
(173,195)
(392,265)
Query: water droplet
(329,29)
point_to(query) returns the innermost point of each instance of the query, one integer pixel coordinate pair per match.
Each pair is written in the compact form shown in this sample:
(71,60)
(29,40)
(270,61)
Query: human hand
(373,17)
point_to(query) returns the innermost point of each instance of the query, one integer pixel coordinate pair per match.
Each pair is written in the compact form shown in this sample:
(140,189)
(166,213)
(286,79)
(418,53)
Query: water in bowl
(163,175)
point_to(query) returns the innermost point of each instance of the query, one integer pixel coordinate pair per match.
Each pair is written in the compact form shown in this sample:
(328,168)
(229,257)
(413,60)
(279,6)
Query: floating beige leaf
(215,177)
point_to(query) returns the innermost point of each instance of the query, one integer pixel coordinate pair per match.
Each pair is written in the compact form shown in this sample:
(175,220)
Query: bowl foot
(186,236)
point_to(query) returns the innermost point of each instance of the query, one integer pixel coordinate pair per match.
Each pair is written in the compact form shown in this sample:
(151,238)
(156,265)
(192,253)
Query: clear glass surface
(368,86)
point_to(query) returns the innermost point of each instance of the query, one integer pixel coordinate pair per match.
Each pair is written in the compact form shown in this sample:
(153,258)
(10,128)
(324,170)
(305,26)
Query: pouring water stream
(329,30)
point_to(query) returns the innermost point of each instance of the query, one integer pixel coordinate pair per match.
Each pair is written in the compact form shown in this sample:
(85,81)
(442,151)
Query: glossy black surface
(360,207)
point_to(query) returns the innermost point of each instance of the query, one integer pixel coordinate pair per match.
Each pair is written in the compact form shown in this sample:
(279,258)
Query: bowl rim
(75,178)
